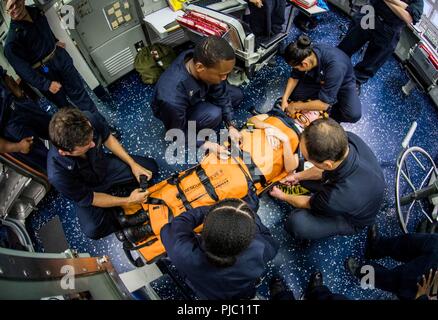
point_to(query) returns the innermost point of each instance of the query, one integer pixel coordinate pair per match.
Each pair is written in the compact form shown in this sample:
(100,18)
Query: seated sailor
(322,79)
(22,125)
(79,169)
(227,260)
(347,181)
(194,88)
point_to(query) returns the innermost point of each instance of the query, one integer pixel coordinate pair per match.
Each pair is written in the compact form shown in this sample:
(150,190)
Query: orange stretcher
(257,166)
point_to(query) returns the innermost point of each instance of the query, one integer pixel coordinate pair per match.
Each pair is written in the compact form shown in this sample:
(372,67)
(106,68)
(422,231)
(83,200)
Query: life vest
(256,166)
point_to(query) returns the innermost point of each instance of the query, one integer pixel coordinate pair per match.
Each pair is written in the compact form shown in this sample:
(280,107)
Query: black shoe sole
(135,240)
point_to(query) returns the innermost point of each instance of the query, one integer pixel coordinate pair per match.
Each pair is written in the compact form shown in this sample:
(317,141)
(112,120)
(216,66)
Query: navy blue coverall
(78,178)
(382,39)
(22,118)
(332,81)
(179,98)
(268,20)
(347,198)
(419,254)
(185,250)
(28,43)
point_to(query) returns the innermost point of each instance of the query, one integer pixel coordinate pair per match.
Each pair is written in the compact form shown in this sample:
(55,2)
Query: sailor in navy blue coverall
(390,17)
(41,60)
(20,120)
(180,98)
(418,253)
(346,199)
(185,250)
(266,17)
(192,90)
(330,83)
(81,179)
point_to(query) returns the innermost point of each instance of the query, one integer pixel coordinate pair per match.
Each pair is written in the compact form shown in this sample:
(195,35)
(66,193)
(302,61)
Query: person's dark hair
(212,50)
(229,228)
(297,51)
(69,128)
(325,139)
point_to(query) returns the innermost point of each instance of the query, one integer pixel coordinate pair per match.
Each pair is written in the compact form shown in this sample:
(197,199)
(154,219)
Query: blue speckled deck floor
(387,115)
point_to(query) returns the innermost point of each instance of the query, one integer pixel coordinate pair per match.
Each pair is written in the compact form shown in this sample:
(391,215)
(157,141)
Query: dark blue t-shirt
(355,189)
(75,177)
(334,72)
(177,91)
(185,250)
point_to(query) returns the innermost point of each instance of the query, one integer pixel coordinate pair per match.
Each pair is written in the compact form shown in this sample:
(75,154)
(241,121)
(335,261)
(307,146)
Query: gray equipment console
(111,33)
(235,7)
(21,189)
(150,6)
(63,276)
(177,36)
(417,49)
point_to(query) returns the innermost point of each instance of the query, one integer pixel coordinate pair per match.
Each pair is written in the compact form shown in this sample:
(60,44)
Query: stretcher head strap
(283,117)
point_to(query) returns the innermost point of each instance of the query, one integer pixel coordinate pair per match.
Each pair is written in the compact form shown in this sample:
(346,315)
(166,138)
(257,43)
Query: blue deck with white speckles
(387,115)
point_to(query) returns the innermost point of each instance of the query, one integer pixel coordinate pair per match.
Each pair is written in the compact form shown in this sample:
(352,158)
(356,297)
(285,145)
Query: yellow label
(176,4)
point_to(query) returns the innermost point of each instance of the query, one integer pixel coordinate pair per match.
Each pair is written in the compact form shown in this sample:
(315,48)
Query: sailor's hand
(280,135)
(273,141)
(257,3)
(275,137)
(13,85)
(291,108)
(277,193)
(427,284)
(25,145)
(219,150)
(138,170)
(291,179)
(284,104)
(138,197)
(61,44)
(235,135)
(55,86)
